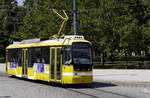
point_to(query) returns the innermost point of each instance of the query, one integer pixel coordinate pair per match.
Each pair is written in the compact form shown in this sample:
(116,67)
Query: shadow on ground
(75,86)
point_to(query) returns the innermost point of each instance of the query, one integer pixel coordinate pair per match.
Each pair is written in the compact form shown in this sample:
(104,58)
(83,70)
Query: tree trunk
(102,58)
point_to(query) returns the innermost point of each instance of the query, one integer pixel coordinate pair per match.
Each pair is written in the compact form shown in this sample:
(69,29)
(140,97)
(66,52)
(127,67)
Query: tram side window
(38,55)
(9,55)
(31,57)
(41,55)
(67,55)
(19,57)
(13,56)
(45,55)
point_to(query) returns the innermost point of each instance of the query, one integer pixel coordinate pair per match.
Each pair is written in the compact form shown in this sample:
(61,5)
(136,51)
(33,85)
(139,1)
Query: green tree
(114,26)
(40,21)
(6,22)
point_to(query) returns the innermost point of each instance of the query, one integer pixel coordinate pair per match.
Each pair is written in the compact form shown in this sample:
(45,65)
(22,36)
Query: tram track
(90,95)
(95,90)
(91,91)
(122,95)
(86,90)
(98,91)
(95,93)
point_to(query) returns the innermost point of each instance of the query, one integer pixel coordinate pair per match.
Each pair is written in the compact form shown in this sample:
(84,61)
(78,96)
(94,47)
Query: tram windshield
(82,54)
(78,55)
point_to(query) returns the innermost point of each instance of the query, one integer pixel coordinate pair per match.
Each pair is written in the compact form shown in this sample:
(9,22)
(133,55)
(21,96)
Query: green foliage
(2,60)
(114,27)
(7,19)
(40,21)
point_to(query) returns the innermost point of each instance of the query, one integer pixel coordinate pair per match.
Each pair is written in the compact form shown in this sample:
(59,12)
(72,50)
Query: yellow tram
(63,59)
(66,60)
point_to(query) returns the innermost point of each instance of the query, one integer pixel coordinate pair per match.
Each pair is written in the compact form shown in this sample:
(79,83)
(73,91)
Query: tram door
(24,62)
(55,64)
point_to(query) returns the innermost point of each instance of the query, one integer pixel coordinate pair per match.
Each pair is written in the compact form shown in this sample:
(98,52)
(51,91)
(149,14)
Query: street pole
(75,23)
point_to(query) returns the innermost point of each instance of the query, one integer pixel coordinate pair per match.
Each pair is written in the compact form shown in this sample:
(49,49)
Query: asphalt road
(122,75)
(12,87)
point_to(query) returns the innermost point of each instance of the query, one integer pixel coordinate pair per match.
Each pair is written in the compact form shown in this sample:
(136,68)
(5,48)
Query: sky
(20,2)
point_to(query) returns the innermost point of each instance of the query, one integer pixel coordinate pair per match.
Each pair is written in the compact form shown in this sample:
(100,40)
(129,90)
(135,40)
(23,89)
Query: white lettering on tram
(77,74)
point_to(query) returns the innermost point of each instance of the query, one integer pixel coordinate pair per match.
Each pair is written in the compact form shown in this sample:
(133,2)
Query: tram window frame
(31,57)
(10,55)
(67,55)
(82,46)
(39,55)
(45,55)
(13,55)
(82,67)
(58,56)
(20,57)
(52,62)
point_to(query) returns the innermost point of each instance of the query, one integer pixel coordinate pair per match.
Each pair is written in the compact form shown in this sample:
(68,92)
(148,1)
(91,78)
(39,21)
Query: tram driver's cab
(78,58)
(78,55)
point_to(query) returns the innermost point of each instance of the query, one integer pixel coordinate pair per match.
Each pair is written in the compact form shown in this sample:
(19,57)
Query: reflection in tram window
(82,58)
(31,57)
(67,55)
(38,55)
(14,57)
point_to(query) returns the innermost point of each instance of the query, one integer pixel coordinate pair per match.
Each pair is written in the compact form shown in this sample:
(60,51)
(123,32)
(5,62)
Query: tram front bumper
(77,79)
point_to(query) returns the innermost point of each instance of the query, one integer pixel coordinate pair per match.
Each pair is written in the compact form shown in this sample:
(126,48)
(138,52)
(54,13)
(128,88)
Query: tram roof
(67,40)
